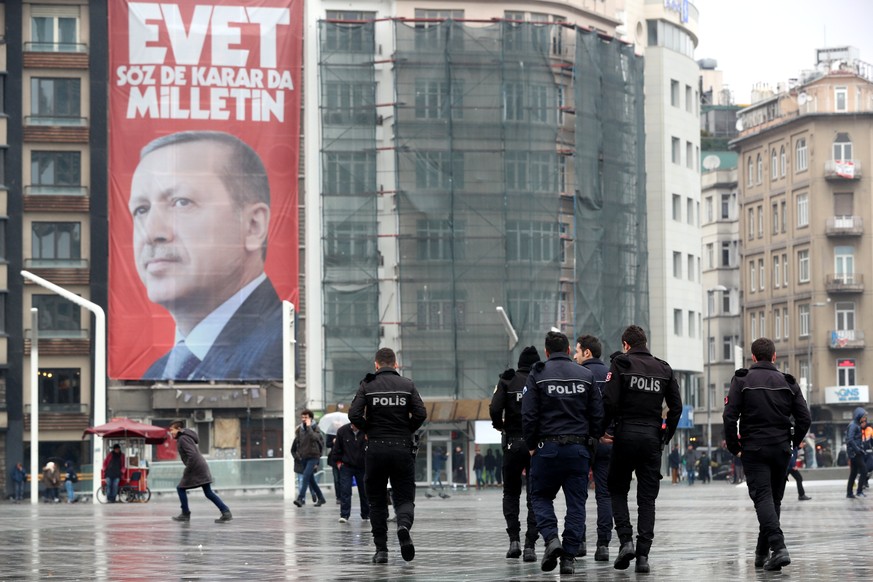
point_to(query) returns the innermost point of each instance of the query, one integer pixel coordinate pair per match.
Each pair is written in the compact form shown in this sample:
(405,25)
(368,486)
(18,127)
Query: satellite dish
(802,98)
(711,162)
(739,125)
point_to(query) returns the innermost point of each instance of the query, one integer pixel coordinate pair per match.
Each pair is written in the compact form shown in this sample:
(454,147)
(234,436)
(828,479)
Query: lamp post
(710,347)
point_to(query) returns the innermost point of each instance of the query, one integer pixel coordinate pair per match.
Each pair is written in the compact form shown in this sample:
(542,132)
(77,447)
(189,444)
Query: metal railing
(55,190)
(852,225)
(846,339)
(56,263)
(73,408)
(59,334)
(845,282)
(846,169)
(55,47)
(55,120)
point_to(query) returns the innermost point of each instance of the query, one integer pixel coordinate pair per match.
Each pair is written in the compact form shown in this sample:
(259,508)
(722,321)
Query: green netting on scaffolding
(478,205)
(350,284)
(610,202)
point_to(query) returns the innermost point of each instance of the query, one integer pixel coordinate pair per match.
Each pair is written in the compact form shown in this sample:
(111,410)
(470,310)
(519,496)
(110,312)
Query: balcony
(845,226)
(53,198)
(845,283)
(60,271)
(55,55)
(842,170)
(59,416)
(60,342)
(846,339)
(69,129)
(55,47)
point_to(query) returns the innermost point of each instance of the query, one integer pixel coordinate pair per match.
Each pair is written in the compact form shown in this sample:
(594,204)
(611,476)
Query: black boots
(182,517)
(602,554)
(761,558)
(777,559)
(380,557)
(530,554)
(626,553)
(407,549)
(568,565)
(514,549)
(642,565)
(225,517)
(553,551)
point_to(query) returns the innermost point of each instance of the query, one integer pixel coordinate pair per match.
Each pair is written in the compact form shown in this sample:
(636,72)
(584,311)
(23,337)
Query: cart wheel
(127,495)
(144,496)
(101,494)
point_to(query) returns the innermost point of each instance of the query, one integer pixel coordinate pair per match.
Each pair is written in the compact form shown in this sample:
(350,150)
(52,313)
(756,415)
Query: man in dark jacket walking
(307,447)
(760,406)
(388,408)
(505,411)
(196,472)
(855,451)
(348,456)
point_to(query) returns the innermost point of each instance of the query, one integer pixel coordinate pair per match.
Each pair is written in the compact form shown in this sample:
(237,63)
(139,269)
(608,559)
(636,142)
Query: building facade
(805,200)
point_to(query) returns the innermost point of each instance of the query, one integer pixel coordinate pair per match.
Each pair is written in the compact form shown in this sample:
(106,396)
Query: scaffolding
(498,196)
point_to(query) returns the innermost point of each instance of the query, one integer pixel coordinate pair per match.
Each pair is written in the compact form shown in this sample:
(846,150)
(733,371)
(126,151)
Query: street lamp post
(710,347)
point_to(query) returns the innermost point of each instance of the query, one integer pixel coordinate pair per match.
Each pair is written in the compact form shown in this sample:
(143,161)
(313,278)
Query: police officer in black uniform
(636,387)
(764,401)
(561,409)
(388,408)
(588,351)
(505,413)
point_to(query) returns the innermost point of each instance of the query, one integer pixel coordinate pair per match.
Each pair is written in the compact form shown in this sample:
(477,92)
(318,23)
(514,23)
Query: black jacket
(764,400)
(560,398)
(196,470)
(636,387)
(387,406)
(348,447)
(600,371)
(505,408)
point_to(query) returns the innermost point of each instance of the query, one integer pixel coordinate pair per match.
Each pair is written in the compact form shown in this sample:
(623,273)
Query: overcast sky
(773,40)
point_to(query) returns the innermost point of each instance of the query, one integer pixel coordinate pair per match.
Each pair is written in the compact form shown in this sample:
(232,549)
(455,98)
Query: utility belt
(564,439)
(391,442)
(507,440)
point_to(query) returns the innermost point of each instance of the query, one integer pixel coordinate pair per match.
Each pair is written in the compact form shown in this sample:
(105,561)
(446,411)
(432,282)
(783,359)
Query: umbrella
(332,421)
(126,428)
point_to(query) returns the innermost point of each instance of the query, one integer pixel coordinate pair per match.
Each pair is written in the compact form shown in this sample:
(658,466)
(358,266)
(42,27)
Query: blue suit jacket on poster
(248,348)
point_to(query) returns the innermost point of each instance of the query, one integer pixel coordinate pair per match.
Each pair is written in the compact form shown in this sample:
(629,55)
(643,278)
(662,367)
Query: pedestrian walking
(798,478)
(308,446)
(19,478)
(479,468)
(113,469)
(588,352)
(561,410)
(689,459)
(505,412)
(70,479)
(675,460)
(438,460)
(196,472)
(388,408)
(51,478)
(757,418)
(490,468)
(348,457)
(637,386)
(855,451)
(703,468)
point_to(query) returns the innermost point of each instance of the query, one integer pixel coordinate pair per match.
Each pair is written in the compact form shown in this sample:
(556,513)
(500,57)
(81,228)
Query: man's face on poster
(194,244)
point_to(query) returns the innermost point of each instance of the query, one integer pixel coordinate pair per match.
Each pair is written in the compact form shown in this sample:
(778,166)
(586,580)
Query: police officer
(505,413)
(588,351)
(561,408)
(388,408)
(636,387)
(764,401)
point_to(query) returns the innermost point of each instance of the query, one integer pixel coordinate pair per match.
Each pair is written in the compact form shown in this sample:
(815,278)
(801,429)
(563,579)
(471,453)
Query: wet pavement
(702,532)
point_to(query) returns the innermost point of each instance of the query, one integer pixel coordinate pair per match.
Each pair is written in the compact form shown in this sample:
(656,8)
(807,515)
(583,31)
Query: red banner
(204,127)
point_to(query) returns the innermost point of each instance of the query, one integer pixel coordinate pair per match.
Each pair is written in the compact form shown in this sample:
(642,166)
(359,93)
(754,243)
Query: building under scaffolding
(507,171)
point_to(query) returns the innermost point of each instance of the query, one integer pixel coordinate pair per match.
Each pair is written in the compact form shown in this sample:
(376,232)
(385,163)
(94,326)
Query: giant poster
(204,134)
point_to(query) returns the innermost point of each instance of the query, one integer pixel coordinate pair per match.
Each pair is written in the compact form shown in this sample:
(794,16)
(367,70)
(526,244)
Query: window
(761,279)
(752,277)
(841,100)
(535,308)
(762,319)
(710,351)
(760,221)
(750,224)
(58,317)
(677,208)
(542,172)
(846,372)
(774,211)
(540,104)
(677,322)
(674,93)
(59,388)
(844,264)
(777,322)
(442,310)
(440,240)
(540,32)
(560,102)
(803,319)
(760,164)
(774,168)
(783,162)
(56,244)
(691,268)
(689,211)
(710,255)
(726,206)
(513,102)
(55,172)
(785,320)
(439,170)
(55,101)
(345,37)
(784,213)
(726,254)
(349,173)
(784,270)
(751,175)
(709,209)
(689,100)
(54,29)
(801,161)
(675,151)
(533,241)
(689,155)
(352,103)
(845,312)
(354,313)
(677,265)
(842,147)
(803,266)
(347,241)
(691,330)
(516,171)
(753,326)
(431,34)
(726,302)
(802,210)
(777,271)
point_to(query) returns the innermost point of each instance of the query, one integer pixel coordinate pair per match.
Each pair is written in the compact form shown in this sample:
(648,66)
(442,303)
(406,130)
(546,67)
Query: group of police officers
(571,414)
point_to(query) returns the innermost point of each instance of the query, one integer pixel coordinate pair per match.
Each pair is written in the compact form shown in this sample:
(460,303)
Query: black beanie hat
(529,356)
